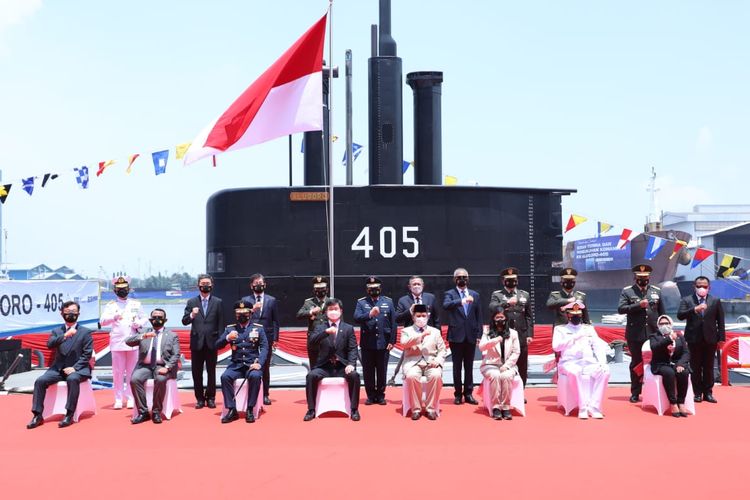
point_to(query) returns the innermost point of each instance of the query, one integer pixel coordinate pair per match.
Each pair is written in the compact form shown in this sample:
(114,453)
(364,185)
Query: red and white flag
(287,98)
(625,238)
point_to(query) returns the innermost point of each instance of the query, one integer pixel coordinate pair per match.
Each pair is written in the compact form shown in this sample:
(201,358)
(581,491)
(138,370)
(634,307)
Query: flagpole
(331,251)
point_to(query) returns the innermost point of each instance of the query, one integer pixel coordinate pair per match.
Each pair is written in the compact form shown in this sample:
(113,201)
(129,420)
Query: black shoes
(709,398)
(66,421)
(676,414)
(369,402)
(36,421)
(416,415)
(355,415)
(156,418)
(698,398)
(470,399)
(381,401)
(457,400)
(497,414)
(231,416)
(506,415)
(199,404)
(634,398)
(266,400)
(140,418)
(249,416)
(309,415)
(211,403)
(431,415)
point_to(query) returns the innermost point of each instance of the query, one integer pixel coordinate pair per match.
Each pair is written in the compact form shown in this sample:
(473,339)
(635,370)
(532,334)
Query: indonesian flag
(287,98)
(574,221)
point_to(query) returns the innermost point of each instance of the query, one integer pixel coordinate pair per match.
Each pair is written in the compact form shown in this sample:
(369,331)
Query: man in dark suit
(462,306)
(516,304)
(376,317)
(559,299)
(249,352)
(704,329)
(265,312)
(417,295)
(205,316)
(642,304)
(337,348)
(312,311)
(73,346)
(158,358)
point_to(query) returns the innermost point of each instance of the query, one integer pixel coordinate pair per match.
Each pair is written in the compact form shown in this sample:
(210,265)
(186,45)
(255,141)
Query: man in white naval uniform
(583,356)
(125,317)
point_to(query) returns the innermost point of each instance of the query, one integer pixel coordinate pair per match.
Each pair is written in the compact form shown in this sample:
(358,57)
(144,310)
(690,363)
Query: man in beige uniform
(424,354)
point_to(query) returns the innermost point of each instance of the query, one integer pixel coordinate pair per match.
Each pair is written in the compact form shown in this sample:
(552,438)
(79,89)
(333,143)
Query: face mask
(665,329)
(420,322)
(374,292)
(417,290)
(70,317)
(243,318)
(259,288)
(122,292)
(462,282)
(642,282)
(333,315)
(701,292)
(568,285)
(206,288)
(576,320)
(499,324)
(510,284)
(321,293)
(157,322)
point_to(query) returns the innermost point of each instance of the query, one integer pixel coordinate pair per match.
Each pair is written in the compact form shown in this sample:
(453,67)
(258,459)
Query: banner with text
(600,254)
(34,305)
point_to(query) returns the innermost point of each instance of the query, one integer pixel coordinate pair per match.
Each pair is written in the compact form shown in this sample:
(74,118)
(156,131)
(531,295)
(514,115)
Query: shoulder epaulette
(655,287)
(361,298)
(258,324)
(582,293)
(629,287)
(233,325)
(497,291)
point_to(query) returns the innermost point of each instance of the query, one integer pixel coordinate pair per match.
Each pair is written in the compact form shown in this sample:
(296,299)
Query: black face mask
(576,320)
(71,317)
(373,292)
(259,288)
(157,322)
(568,285)
(500,325)
(462,282)
(206,288)
(321,293)
(510,284)
(122,292)
(642,282)
(243,318)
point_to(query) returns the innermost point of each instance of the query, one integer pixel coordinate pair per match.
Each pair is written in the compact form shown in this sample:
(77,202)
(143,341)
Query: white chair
(406,403)
(240,400)
(567,392)
(653,388)
(333,395)
(516,396)
(57,397)
(744,350)
(171,398)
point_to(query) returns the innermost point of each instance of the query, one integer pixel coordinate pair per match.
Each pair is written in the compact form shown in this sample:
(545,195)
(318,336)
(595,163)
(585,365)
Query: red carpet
(631,453)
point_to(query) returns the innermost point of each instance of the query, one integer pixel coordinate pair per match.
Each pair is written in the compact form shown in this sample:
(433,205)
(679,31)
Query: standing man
(125,317)
(158,355)
(517,306)
(312,311)
(417,295)
(642,304)
(377,321)
(73,347)
(559,299)
(464,332)
(704,329)
(337,345)
(206,319)
(424,355)
(265,312)
(249,351)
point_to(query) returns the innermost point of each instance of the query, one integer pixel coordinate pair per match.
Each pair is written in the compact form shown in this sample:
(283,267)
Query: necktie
(333,341)
(205,306)
(418,300)
(152,353)
(466,306)
(702,300)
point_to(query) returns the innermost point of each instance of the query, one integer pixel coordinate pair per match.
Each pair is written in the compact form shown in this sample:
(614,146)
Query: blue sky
(582,94)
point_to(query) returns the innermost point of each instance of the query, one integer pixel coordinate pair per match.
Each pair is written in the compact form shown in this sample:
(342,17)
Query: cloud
(675,195)
(705,140)
(13,13)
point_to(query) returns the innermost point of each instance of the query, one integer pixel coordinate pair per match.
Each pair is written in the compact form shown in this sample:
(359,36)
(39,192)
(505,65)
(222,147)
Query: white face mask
(665,329)
(701,292)
(417,290)
(420,322)
(333,315)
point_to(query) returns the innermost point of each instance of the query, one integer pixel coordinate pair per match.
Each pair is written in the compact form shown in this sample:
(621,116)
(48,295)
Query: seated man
(73,347)
(249,352)
(337,357)
(158,355)
(501,349)
(424,354)
(582,356)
